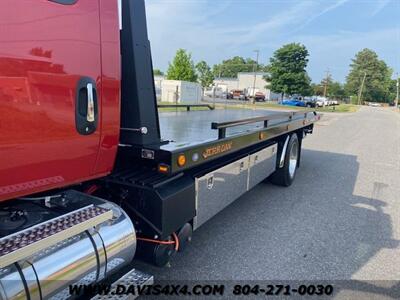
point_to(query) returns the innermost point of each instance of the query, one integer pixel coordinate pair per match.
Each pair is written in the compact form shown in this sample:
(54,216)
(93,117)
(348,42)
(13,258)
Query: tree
(336,90)
(206,77)
(287,70)
(231,67)
(158,72)
(182,67)
(317,89)
(377,82)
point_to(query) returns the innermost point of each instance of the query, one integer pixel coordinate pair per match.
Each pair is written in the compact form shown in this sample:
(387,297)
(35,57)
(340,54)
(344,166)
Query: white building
(158,79)
(246,81)
(191,92)
(178,91)
(226,84)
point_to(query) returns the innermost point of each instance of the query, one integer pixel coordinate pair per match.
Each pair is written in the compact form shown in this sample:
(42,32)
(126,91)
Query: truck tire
(285,176)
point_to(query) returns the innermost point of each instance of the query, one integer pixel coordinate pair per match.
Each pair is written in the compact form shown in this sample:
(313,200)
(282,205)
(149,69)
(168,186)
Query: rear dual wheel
(285,176)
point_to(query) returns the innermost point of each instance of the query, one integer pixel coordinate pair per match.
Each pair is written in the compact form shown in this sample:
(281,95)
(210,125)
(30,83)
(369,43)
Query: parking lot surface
(339,220)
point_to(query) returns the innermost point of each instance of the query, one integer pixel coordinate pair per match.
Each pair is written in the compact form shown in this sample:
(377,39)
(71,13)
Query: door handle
(64,2)
(86,106)
(90,103)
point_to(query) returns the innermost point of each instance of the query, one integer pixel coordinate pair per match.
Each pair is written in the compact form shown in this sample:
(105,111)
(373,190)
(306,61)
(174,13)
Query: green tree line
(369,78)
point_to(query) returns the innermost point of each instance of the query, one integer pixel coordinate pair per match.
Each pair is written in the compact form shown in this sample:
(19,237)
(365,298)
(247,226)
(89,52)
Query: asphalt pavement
(339,220)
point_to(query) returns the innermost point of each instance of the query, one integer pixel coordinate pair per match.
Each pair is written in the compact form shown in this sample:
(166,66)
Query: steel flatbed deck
(202,136)
(194,127)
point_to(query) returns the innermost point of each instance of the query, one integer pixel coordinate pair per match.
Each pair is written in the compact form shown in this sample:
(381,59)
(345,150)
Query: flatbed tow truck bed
(195,126)
(206,135)
(226,153)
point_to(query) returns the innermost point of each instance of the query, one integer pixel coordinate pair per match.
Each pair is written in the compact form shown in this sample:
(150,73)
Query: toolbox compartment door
(219,188)
(262,164)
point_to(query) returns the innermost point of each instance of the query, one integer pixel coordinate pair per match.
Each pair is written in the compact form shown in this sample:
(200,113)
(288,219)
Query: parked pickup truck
(259,96)
(238,94)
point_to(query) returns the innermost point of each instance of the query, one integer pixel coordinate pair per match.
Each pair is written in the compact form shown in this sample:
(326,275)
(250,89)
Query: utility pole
(255,76)
(326,82)
(397,90)
(361,88)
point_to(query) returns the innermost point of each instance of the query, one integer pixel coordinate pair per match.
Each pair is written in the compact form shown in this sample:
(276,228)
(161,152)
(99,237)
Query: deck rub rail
(188,106)
(287,116)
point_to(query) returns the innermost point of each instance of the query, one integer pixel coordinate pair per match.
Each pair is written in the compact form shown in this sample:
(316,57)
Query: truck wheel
(156,254)
(285,176)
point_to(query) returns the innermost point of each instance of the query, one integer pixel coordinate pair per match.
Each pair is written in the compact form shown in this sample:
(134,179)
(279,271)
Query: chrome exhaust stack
(83,246)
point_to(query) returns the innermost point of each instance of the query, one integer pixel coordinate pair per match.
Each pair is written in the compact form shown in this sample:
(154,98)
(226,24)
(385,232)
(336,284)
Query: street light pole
(326,82)
(255,76)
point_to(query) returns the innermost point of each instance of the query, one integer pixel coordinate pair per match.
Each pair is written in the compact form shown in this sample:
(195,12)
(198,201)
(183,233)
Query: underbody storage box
(261,165)
(164,204)
(219,188)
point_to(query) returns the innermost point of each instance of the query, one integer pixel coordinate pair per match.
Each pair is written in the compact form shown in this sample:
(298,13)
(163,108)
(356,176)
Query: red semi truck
(91,175)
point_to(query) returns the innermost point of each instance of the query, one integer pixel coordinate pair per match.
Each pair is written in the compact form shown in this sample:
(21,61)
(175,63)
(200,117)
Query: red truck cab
(59,93)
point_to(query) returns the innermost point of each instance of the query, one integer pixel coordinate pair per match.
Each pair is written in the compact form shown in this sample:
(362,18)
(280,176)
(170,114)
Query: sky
(332,30)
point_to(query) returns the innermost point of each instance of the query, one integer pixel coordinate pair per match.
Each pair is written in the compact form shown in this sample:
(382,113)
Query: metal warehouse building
(245,81)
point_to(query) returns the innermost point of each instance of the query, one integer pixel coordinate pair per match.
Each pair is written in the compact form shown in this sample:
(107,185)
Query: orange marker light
(181,160)
(163,169)
(262,136)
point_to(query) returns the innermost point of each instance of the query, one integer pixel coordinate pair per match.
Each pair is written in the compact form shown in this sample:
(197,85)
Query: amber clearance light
(181,160)
(163,168)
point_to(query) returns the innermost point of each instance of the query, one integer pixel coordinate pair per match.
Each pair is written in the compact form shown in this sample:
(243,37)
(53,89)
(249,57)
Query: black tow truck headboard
(139,115)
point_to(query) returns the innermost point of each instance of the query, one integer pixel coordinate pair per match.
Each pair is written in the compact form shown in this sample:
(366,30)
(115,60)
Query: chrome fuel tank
(84,258)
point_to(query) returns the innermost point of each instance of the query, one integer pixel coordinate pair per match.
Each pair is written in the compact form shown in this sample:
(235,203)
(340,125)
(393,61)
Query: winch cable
(176,241)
